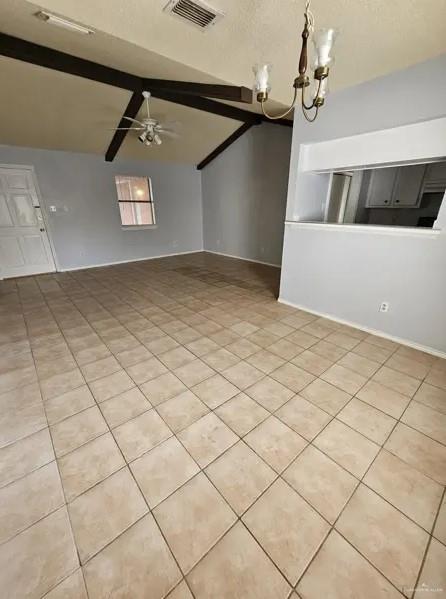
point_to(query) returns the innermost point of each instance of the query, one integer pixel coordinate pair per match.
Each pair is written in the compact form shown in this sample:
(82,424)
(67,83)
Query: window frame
(150,201)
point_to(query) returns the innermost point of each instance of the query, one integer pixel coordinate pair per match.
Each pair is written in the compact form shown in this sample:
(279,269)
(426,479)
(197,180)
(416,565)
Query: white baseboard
(240,258)
(423,348)
(128,261)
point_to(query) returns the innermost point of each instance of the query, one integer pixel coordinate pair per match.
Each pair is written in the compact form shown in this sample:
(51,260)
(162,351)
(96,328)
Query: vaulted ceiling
(43,108)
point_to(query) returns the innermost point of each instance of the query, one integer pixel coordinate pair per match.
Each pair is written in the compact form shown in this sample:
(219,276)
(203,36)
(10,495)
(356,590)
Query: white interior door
(24,245)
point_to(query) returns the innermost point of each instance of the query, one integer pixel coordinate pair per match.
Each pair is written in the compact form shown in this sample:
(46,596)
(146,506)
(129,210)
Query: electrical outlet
(384,307)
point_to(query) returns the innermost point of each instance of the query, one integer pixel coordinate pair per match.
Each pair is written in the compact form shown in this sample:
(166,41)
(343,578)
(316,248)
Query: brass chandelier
(323,41)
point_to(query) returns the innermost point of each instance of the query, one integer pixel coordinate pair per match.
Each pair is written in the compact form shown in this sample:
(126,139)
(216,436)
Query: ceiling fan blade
(169,133)
(127,118)
(126,129)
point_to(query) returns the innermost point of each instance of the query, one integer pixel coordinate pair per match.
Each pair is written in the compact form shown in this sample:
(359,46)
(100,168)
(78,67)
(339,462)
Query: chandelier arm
(310,119)
(279,116)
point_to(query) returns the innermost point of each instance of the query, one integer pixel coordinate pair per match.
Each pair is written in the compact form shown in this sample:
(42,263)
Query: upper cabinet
(396,187)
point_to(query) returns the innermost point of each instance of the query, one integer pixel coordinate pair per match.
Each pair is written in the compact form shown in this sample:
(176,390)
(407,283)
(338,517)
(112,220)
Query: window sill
(137,227)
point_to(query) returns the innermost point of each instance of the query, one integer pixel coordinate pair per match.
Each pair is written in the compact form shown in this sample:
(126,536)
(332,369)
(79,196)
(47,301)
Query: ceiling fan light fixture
(53,19)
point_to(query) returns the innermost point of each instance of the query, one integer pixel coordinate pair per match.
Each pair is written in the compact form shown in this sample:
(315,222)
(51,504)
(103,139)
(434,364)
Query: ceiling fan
(151,130)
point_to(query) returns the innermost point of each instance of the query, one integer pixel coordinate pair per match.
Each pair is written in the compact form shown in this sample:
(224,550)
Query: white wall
(345,274)
(89,232)
(244,195)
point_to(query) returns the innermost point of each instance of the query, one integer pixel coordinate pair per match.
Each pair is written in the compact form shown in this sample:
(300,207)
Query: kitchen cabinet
(396,187)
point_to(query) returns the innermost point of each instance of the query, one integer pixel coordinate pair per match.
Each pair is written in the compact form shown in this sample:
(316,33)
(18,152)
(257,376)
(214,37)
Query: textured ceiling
(376,37)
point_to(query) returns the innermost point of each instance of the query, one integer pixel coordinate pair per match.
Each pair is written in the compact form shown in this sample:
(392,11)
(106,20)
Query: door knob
(42,230)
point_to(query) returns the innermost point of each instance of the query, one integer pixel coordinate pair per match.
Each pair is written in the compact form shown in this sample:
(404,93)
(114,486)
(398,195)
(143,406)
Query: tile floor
(167,429)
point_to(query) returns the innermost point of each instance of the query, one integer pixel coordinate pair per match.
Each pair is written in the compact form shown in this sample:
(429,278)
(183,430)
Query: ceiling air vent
(196,12)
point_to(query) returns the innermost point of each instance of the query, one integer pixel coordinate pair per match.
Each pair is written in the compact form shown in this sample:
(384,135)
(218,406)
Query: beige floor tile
(194,372)
(244,328)
(327,397)
(415,354)
(328,350)
(348,448)
(369,421)
(162,388)
(312,362)
(240,476)
(186,335)
(317,329)
(25,456)
(397,381)
(302,339)
(182,410)
(180,592)
(265,361)
(133,356)
(13,379)
(373,352)
(221,359)
(433,574)
(303,417)
(276,443)
(345,379)
(409,490)
(207,438)
(202,346)
(100,368)
(104,512)
(215,391)
(426,420)
(50,367)
(437,377)
(243,348)
(177,357)
(343,340)
(241,414)
(243,375)
(181,518)
(391,542)
(37,559)
(29,499)
(237,567)
(163,470)
(18,423)
(279,329)
(93,462)
(269,393)
(146,370)
(68,404)
(359,364)
(141,434)
(285,349)
(382,342)
(413,368)
(262,338)
(61,383)
(431,396)
(76,430)
(321,481)
(440,525)
(292,377)
(72,587)
(419,451)
(109,386)
(340,572)
(137,564)
(383,398)
(287,528)
(161,345)
(124,406)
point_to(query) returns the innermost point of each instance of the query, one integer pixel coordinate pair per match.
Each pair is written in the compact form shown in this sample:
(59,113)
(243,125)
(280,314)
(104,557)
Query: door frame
(30,168)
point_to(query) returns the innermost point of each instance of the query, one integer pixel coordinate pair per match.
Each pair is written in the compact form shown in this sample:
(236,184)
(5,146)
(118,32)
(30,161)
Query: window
(402,196)
(135,201)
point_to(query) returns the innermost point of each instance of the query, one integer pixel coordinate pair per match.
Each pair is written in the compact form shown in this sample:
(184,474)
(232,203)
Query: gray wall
(346,275)
(244,195)
(89,232)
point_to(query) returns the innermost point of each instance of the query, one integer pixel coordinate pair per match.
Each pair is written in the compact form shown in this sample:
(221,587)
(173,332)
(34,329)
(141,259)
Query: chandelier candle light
(323,41)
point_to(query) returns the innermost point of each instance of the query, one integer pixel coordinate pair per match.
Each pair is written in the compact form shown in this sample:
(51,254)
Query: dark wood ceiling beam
(49,58)
(131,111)
(230,93)
(230,140)
(225,110)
